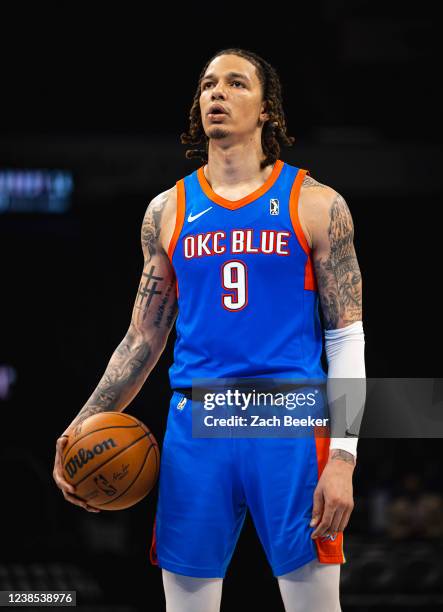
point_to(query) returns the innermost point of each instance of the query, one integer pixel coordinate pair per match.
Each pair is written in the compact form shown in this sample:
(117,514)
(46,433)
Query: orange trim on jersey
(310,279)
(328,551)
(234,204)
(179,218)
(153,549)
(293,210)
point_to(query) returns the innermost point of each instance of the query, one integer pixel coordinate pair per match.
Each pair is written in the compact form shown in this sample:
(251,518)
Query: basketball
(112,459)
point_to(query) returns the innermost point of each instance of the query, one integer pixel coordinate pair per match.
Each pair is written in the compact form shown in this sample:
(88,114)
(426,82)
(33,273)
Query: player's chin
(217,132)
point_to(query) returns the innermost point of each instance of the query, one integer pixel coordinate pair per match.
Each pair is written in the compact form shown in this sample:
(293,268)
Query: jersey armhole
(310,283)
(293,210)
(179,217)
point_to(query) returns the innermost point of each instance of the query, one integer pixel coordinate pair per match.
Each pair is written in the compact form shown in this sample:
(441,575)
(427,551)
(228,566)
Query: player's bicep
(336,267)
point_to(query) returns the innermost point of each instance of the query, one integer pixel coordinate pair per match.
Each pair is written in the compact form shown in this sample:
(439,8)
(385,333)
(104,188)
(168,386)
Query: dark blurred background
(92,107)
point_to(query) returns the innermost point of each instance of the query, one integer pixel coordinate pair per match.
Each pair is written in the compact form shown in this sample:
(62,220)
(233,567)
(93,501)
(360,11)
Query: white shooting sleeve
(346,398)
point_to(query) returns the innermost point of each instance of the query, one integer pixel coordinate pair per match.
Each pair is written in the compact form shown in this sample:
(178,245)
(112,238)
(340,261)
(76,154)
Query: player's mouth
(217,112)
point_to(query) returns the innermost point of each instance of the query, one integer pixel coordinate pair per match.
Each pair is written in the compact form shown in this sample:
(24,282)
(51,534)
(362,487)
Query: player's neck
(235,166)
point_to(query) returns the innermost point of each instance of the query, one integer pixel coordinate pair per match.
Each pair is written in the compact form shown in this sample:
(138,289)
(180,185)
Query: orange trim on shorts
(328,551)
(153,549)
(179,218)
(234,204)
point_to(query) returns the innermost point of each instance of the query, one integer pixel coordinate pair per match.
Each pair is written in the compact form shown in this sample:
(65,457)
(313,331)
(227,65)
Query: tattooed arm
(330,232)
(153,316)
(331,236)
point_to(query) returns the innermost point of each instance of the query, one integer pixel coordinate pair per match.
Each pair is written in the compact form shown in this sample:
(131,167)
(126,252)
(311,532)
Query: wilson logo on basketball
(80,459)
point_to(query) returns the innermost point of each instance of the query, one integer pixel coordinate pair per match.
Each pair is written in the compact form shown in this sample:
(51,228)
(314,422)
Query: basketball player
(243,249)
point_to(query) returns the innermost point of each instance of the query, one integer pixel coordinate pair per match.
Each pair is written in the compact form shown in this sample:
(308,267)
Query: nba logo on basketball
(273,206)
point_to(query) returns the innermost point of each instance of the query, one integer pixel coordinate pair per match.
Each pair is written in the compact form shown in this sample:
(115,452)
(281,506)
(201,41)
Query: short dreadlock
(274,130)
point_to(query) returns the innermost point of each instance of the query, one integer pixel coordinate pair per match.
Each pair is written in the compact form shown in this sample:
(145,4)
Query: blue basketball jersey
(247,294)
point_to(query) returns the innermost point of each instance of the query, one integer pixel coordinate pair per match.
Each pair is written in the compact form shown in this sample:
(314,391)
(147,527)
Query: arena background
(97,103)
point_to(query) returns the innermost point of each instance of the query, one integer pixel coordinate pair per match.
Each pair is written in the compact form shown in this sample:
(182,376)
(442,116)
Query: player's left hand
(333,498)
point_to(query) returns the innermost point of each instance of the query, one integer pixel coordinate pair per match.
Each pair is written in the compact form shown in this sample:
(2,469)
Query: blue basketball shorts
(206,486)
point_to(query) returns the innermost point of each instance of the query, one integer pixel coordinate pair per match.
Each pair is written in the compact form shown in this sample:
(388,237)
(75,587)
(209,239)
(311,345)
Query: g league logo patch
(273,206)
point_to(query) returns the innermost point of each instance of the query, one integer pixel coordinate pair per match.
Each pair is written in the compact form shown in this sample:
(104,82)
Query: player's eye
(205,84)
(238,82)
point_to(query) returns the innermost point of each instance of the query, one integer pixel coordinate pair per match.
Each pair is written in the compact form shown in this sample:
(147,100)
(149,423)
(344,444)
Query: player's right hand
(66,488)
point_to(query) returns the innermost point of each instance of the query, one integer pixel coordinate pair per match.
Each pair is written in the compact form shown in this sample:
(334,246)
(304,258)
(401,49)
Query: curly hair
(274,129)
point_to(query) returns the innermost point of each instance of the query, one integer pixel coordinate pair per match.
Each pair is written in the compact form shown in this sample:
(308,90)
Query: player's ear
(264,116)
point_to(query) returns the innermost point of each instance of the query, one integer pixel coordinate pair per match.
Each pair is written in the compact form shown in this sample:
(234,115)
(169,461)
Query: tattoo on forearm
(343,456)
(338,275)
(127,364)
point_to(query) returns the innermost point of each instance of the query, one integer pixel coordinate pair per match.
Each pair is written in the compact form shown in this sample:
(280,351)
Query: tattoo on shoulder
(152,224)
(308,181)
(338,275)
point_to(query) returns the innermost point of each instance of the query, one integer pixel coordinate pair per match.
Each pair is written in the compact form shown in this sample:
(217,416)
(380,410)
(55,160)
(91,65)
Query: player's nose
(218,92)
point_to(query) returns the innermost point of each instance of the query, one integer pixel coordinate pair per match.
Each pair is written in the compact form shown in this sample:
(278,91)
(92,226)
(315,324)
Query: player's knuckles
(341,502)
(58,480)
(69,498)
(68,491)
(346,506)
(325,524)
(334,501)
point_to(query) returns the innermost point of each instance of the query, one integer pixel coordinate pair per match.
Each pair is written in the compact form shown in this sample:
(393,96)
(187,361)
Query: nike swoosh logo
(193,218)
